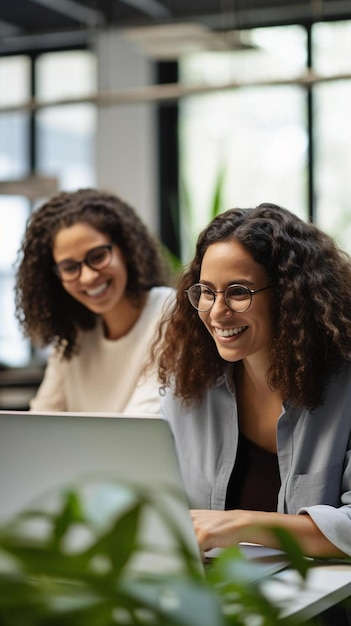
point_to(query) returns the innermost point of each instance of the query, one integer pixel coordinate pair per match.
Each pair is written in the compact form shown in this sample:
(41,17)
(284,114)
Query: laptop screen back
(41,455)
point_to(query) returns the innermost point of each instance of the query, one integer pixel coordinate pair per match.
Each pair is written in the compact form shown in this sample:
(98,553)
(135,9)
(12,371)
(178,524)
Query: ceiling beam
(251,16)
(16,44)
(171,92)
(152,8)
(7,29)
(74,10)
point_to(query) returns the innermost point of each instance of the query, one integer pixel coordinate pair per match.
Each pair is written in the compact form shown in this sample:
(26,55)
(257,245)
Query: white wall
(126,134)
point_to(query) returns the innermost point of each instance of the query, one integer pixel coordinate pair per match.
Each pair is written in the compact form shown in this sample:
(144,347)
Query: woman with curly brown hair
(91,283)
(255,364)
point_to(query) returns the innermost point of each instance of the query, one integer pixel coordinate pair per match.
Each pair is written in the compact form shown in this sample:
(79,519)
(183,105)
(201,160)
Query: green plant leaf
(293,550)
(70,513)
(217,195)
(119,543)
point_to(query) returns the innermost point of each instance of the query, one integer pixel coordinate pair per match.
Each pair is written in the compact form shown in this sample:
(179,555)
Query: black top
(255,479)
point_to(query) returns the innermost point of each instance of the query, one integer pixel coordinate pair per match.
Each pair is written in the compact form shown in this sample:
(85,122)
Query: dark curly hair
(46,312)
(311,277)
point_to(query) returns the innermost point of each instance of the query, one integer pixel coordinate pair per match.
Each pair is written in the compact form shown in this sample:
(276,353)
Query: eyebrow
(245,282)
(70,260)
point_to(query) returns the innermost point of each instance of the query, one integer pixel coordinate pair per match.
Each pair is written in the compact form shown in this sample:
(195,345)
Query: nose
(87,274)
(220,307)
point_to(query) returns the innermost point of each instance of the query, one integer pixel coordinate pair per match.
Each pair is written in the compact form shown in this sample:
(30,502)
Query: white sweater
(106,376)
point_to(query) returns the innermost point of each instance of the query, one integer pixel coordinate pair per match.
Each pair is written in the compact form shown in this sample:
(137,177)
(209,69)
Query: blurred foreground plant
(74,566)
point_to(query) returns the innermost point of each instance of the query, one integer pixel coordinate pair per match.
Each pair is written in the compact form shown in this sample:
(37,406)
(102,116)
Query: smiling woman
(91,283)
(256,367)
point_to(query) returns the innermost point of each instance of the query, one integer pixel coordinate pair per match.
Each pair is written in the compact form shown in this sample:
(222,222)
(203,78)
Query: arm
(225,528)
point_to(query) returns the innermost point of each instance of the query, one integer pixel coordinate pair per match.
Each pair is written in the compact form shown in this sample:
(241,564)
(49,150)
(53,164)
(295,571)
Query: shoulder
(217,405)
(160,297)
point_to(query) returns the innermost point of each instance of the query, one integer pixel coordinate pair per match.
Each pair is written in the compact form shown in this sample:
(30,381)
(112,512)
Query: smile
(229,332)
(97,291)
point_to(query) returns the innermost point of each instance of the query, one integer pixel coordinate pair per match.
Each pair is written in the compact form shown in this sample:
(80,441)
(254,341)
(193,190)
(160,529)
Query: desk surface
(326,585)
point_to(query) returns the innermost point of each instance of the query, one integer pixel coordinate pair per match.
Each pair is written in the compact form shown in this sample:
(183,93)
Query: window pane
(14,80)
(331,54)
(65,134)
(66,144)
(331,47)
(14,90)
(66,74)
(262,149)
(13,145)
(14,349)
(271,53)
(333,160)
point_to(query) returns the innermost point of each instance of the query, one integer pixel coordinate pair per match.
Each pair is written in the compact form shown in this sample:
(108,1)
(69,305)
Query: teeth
(229,332)
(97,290)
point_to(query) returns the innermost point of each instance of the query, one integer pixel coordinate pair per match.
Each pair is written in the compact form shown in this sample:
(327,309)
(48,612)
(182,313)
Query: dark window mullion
(32,156)
(310,134)
(168,162)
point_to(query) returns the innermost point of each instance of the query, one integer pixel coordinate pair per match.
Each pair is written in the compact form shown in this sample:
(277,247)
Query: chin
(229,355)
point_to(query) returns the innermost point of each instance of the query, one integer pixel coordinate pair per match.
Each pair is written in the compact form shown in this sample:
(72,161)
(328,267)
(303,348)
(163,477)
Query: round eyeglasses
(238,298)
(97,259)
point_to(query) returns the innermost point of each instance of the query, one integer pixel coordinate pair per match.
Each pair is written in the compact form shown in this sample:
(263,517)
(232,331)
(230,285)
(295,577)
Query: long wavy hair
(46,312)
(311,278)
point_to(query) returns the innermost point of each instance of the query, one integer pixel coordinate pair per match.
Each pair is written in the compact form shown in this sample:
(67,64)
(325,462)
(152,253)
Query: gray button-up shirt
(314,454)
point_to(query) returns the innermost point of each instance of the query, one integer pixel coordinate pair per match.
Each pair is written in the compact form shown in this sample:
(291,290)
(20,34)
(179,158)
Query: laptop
(104,457)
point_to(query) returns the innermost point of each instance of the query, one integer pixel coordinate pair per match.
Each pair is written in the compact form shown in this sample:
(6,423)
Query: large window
(264,139)
(256,136)
(59,144)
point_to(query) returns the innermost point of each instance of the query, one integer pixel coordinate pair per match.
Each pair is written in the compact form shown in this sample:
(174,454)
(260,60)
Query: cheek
(120,270)
(266,326)
(205,319)
(70,289)
(122,277)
